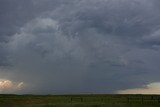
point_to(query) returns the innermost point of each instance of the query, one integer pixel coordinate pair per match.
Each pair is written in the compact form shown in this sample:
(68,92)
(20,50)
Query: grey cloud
(78,46)
(153,39)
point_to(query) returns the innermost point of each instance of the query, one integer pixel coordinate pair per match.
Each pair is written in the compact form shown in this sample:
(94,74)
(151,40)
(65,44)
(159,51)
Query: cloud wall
(83,46)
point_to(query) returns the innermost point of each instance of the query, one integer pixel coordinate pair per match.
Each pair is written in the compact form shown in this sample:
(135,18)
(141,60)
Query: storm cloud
(80,46)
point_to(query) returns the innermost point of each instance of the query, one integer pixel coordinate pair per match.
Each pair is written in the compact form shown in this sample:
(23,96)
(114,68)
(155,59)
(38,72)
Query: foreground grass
(80,101)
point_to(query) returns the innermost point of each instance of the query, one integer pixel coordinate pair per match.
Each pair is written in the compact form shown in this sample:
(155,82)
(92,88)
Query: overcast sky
(79,46)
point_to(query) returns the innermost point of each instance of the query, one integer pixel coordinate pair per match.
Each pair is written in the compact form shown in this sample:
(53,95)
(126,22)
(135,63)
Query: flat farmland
(79,100)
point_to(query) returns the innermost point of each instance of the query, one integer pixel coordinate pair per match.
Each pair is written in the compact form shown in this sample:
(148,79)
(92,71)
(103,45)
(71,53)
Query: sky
(79,46)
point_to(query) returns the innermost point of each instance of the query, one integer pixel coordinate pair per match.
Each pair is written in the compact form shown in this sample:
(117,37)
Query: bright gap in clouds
(152,88)
(8,86)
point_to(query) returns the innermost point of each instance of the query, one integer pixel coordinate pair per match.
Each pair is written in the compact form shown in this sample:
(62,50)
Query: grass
(80,101)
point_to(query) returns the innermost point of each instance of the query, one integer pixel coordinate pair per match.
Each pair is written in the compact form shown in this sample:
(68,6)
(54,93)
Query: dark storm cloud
(78,46)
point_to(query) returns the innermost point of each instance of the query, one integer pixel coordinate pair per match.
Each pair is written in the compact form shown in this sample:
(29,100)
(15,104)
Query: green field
(80,101)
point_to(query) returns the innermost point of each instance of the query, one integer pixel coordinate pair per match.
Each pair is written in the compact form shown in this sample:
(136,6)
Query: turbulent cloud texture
(80,46)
